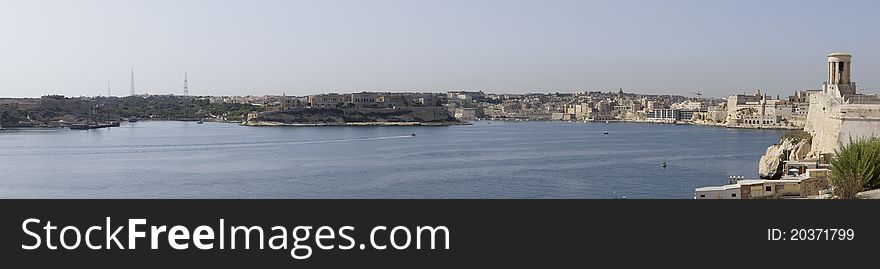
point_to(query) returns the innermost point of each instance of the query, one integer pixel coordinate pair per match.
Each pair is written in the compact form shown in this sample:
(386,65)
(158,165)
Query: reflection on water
(501,160)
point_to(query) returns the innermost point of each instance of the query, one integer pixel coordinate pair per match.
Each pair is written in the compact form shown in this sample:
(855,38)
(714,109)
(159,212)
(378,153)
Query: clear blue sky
(302,47)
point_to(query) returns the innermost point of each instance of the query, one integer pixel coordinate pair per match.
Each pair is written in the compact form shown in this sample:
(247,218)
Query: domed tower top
(839,57)
(840,73)
(839,64)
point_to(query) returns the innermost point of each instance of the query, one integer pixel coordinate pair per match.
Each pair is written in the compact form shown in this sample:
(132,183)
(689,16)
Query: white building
(755,189)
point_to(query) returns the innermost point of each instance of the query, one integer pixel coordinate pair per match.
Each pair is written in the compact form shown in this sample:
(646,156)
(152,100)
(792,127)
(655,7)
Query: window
(702,196)
(768,188)
(733,195)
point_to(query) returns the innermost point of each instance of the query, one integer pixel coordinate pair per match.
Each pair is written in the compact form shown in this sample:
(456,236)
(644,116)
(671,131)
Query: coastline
(429,124)
(718,125)
(721,125)
(279,124)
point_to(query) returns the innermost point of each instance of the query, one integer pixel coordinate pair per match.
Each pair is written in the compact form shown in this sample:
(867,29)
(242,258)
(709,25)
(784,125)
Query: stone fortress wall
(838,114)
(823,123)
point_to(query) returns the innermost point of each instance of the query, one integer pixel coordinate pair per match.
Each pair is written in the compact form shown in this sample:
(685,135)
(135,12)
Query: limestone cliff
(790,148)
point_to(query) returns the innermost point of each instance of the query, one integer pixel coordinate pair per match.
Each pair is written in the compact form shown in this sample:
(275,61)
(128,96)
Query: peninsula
(757,110)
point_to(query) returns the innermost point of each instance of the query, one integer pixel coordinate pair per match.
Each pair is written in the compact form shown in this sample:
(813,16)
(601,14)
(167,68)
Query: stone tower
(839,83)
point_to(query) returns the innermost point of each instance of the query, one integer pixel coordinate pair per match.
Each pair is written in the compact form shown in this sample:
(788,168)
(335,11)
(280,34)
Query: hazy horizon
(306,47)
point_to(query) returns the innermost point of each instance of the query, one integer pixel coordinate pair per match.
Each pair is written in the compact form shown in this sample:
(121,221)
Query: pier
(84,126)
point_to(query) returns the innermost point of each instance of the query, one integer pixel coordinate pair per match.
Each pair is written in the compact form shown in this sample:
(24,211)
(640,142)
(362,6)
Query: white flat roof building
(752,189)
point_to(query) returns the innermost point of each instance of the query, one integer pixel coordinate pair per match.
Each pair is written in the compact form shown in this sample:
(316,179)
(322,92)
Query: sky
(258,47)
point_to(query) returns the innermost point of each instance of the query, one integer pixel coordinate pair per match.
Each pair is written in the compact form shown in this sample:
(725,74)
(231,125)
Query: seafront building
(762,189)
(756,110)
(737,111)
(838,113)
(329,100)
(834,116)
(763,111)
(580,106)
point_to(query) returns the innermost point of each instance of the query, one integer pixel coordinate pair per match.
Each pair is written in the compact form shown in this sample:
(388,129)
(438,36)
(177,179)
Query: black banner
(438,233)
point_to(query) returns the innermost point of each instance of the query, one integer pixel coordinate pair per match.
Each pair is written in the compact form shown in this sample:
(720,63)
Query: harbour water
(497,160)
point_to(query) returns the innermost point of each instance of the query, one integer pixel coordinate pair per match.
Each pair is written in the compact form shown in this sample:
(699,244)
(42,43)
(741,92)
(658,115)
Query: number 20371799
(802,234)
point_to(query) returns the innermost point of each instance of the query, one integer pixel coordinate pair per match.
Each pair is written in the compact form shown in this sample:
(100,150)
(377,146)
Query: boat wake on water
(147,148)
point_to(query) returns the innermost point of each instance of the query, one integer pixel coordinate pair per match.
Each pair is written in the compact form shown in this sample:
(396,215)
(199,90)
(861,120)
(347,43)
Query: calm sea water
(497,160)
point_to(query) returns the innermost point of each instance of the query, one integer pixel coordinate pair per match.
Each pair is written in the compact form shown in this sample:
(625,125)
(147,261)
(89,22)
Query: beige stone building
(838,113)
(762,111)
(329,100)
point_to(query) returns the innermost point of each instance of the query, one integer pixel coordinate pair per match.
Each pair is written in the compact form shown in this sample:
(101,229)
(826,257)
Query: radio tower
(132,82)
(108,88)
(185,85)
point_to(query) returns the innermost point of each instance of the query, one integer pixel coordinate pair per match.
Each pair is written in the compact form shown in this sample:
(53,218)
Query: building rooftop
(747,182)
(717,188)
(814,162)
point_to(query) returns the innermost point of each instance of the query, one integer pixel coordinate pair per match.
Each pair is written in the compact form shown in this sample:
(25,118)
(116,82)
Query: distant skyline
(304,47)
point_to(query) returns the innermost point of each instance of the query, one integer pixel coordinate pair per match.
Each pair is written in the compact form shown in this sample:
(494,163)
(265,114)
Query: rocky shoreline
(788,149)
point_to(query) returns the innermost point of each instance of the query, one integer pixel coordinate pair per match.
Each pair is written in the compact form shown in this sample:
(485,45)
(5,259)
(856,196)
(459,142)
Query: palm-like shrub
(856,166)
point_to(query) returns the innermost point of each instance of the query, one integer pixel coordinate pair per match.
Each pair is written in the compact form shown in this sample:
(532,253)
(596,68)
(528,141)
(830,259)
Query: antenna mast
(132,81)
(185,85)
